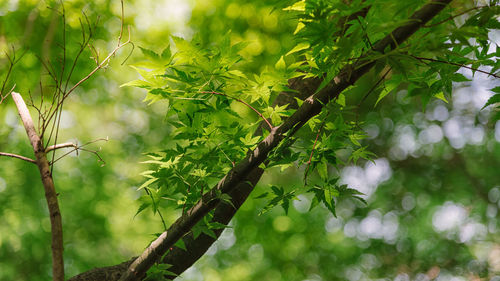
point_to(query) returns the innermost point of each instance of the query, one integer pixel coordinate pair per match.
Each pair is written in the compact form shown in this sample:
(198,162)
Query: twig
(101,65)
(452,17)
(76,148)
(61,145)
(3,97)
(17,156)
(243,102)
(227,157)
(456,64)
(374,86)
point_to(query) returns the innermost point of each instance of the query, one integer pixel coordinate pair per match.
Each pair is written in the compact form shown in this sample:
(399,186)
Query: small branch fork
(59,146)
(243,102)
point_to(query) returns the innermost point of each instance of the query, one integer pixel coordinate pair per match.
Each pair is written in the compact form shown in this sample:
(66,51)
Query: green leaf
(322,169)
(181,245)
(341,100)
(147,183)
(209,232)
(217,225)
(496,90)
(142,208)
(166,54)
(494,99)
(137,83)
(224,197)
(387,89)
(280,65)
(298,48)
(263,195)
(149,53)
(458,77)
(298,6)
(441,96)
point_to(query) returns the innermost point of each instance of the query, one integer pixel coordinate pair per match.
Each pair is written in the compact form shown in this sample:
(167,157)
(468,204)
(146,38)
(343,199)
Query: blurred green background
(433,192)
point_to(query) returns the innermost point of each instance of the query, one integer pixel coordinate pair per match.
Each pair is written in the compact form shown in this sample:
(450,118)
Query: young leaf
(494,99)
(142,208)
(181,245)
(387,89)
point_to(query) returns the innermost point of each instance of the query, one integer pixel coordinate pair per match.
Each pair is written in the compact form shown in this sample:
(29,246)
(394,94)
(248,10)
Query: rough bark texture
(48,184)
(231,183)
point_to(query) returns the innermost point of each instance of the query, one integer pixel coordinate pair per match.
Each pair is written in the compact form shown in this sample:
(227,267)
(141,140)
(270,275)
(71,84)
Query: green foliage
(158,271)
(207,97)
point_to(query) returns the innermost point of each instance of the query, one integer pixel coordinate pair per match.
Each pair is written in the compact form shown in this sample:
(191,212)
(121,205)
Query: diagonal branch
(48,184)
(311,107)
(17,156)
(248,168)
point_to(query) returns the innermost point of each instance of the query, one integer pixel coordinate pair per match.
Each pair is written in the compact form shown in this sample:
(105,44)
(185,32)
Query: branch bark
(61,145)
(17,156)
(243,170)
(48,184)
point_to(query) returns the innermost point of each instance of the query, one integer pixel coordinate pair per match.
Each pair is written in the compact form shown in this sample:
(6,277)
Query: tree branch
(48,184)
(17,156)
(61,145)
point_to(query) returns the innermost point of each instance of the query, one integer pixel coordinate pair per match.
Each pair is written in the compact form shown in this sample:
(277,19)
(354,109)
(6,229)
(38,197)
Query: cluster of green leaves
(428,64)
(213,112)
(211,98)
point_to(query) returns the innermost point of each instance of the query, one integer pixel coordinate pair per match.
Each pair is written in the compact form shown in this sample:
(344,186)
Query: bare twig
(61,145)
(17,156)
(76,148)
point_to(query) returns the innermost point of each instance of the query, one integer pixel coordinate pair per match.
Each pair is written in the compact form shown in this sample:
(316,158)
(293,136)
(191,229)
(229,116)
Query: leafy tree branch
(311,107)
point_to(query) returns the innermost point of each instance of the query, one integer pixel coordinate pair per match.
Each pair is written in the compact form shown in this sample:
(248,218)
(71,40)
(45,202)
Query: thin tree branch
(454,16)
(48,184)
(76,148)
(61,145)
(456,64)
(18,157)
